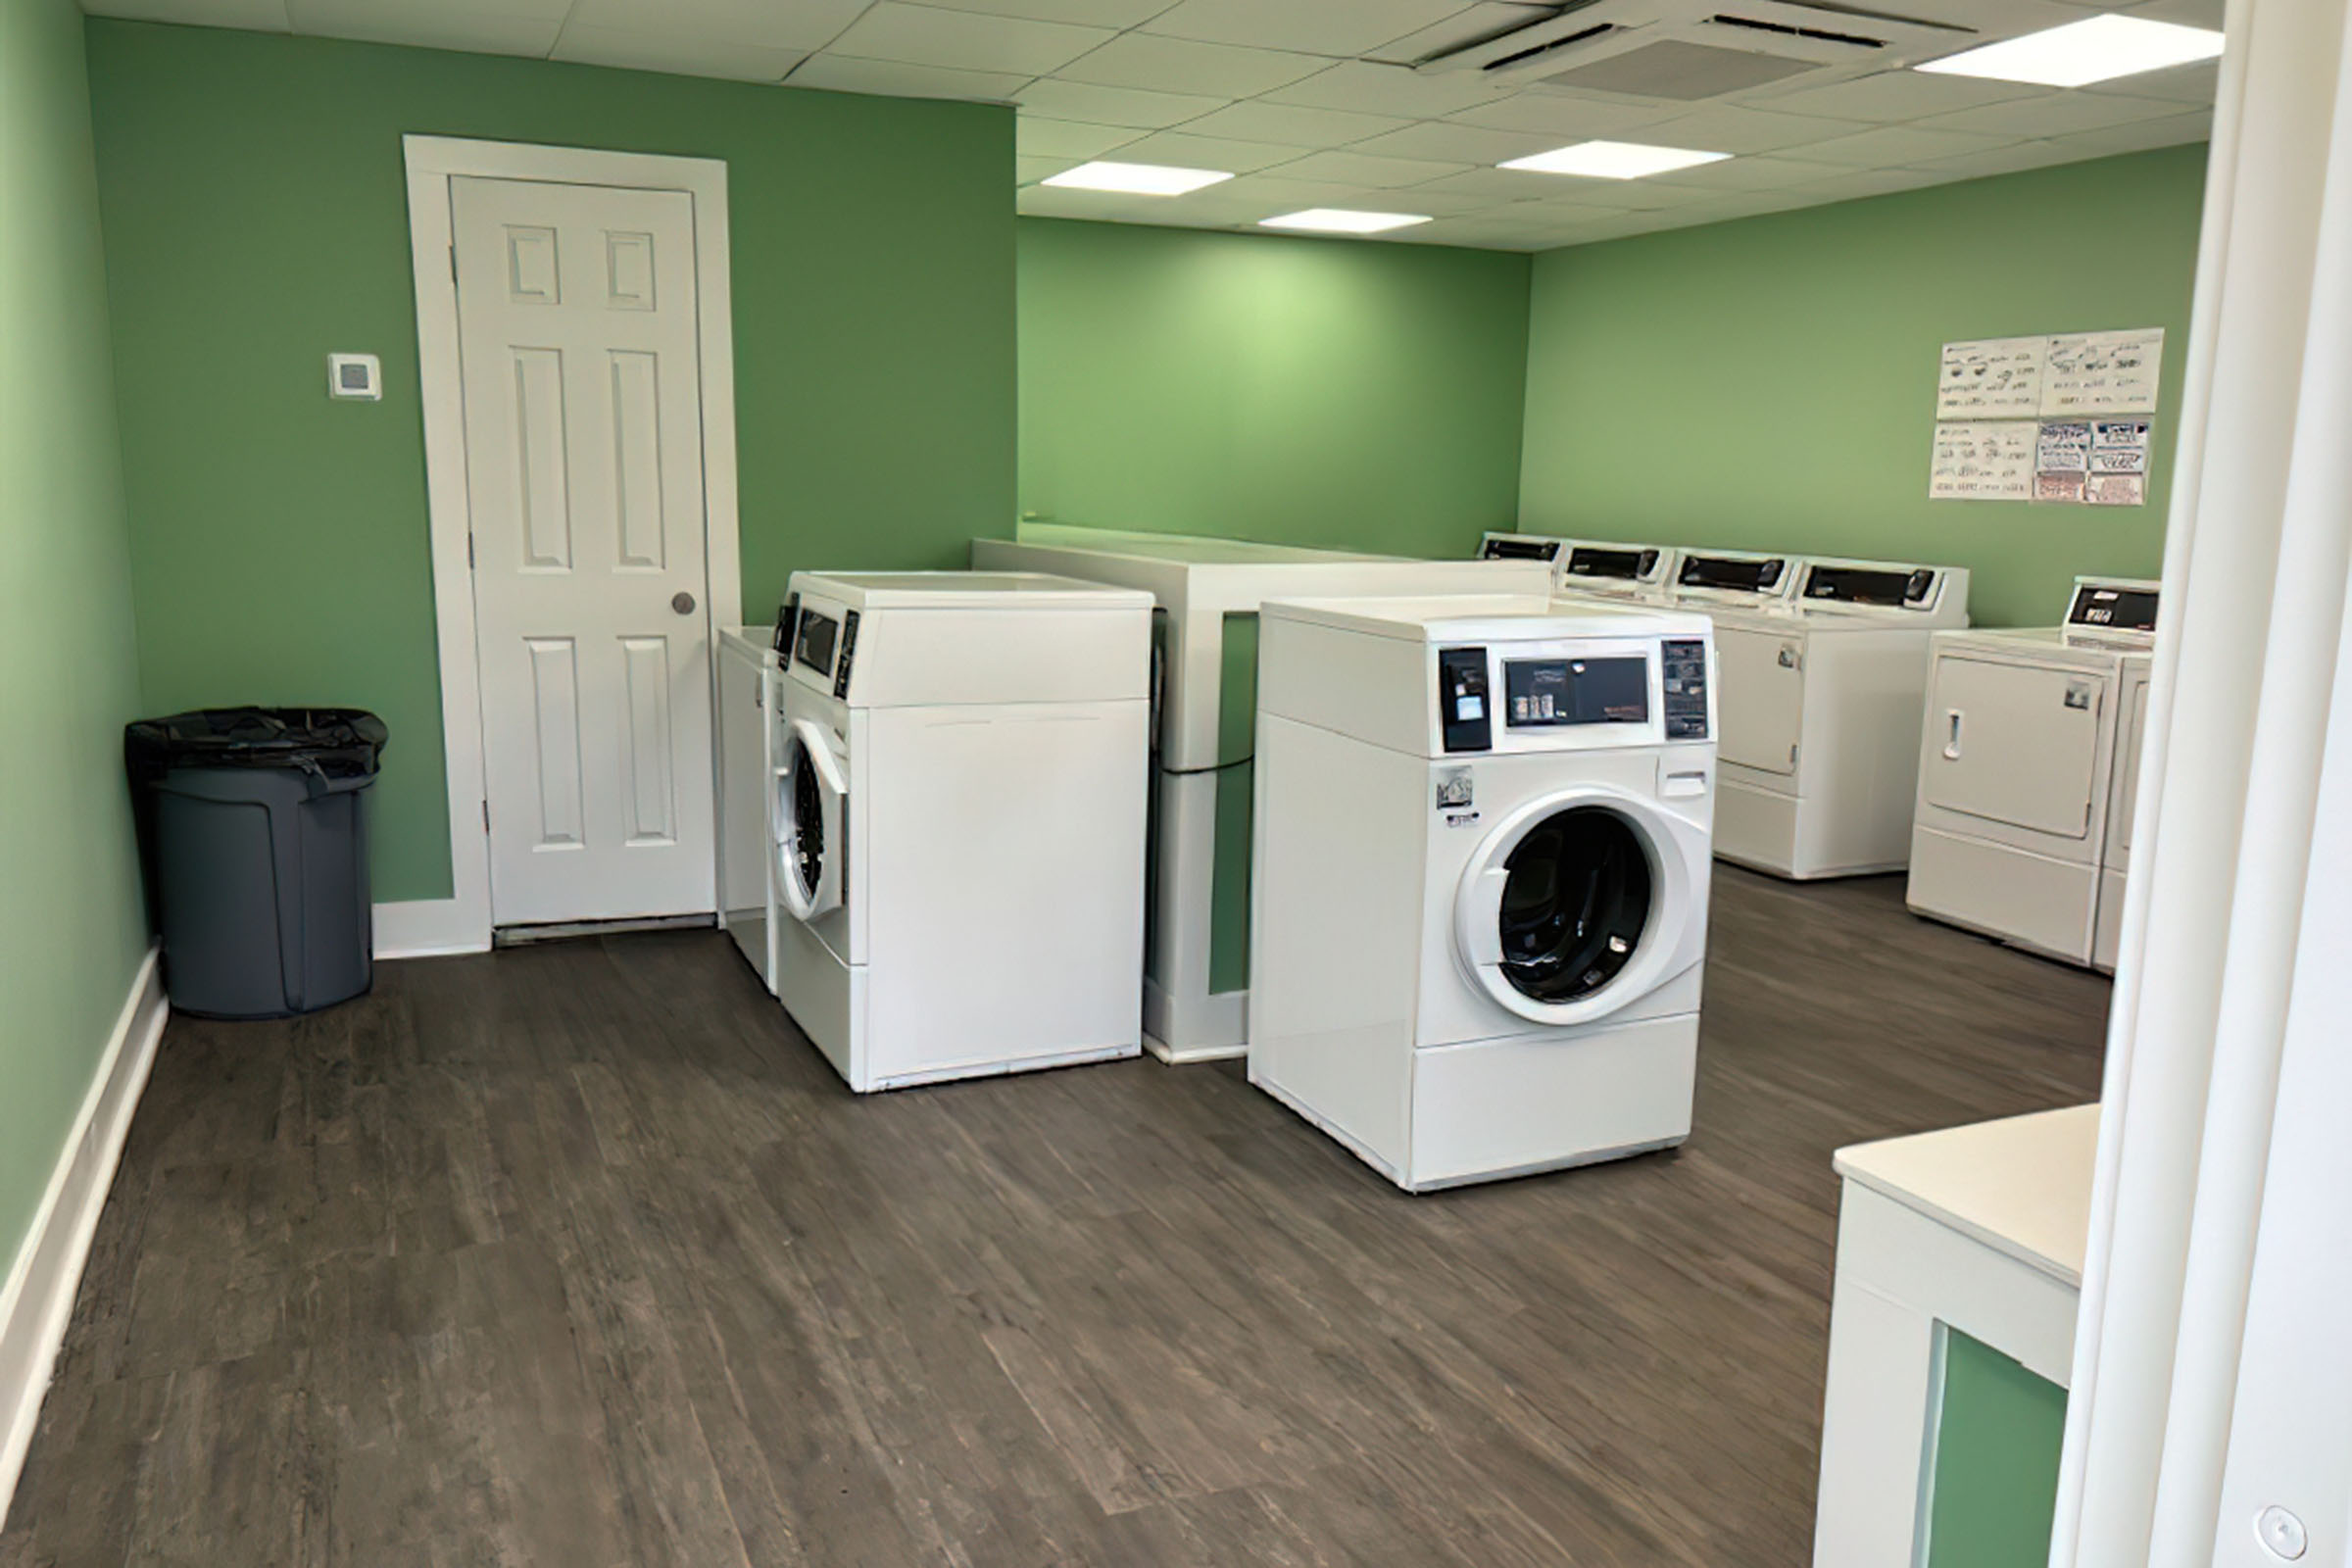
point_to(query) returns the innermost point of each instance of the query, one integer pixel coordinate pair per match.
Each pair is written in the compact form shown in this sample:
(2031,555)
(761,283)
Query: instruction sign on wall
(2018,418)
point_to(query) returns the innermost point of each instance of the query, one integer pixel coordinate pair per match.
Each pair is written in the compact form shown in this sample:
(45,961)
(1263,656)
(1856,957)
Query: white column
(2222,943)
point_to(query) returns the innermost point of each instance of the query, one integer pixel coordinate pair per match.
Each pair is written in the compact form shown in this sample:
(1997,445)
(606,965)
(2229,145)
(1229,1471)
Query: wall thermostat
(355,376)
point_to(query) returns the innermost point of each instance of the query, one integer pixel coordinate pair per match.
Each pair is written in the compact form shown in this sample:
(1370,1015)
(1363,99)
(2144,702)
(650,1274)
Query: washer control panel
(1464,701)
(1686,689)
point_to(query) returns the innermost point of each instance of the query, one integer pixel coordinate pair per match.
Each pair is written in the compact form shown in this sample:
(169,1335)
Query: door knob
(683,604)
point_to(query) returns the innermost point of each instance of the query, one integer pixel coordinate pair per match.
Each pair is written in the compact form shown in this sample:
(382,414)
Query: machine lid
(1746,574)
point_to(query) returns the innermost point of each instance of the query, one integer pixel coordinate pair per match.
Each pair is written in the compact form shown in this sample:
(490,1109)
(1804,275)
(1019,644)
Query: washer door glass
(1575,904)
(806,852)
(810,816)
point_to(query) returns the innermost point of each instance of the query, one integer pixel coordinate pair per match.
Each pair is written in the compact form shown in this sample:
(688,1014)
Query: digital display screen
(1550,693)
(1628,565)
(1725,571)
(2114,608)
(814,644)
(1519,549)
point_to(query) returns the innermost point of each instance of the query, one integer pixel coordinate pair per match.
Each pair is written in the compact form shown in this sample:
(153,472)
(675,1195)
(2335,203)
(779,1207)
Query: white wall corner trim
(428,928)
(433,161)
(37,1301)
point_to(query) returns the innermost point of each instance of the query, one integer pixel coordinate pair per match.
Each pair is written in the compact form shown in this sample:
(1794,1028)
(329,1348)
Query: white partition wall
(2212,1412)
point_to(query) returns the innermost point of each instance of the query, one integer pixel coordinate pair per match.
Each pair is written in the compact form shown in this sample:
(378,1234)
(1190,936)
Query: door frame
(462,923)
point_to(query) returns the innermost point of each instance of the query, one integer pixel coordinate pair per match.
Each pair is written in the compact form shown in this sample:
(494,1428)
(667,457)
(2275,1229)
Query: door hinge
(1792,755)
(469,552)
(453,266)
(485,816)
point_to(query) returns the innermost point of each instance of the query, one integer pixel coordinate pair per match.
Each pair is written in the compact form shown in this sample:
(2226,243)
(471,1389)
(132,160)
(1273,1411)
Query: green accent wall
(257,220)
(72,929)
(1999,1433)
(1361,395)
(1770,382)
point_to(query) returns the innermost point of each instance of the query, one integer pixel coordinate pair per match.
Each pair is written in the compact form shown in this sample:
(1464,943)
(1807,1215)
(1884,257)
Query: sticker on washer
(1453,789)
(1462,819)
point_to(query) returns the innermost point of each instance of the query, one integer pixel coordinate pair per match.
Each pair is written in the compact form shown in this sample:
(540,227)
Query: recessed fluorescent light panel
(1340,221)
(1613,160)
(2096,49)
(1137,179)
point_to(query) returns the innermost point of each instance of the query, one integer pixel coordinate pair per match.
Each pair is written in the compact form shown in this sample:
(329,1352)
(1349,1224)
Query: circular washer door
(811,798)
(1576,906)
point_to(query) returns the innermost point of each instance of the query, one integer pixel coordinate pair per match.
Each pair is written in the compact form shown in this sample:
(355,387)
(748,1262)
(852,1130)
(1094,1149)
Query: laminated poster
(2102,372)
(1991,379)
(2119,446)
(1983,460)
(2117,490)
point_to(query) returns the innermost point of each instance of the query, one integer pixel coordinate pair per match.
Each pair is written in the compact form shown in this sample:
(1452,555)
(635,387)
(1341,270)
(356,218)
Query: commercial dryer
(2029,762)
(1595,568)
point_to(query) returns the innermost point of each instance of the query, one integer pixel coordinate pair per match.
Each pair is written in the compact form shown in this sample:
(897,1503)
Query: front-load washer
(959,821)
(1825,665)
(2028,763)
(1197,971)
(1591,569)
(1483,865)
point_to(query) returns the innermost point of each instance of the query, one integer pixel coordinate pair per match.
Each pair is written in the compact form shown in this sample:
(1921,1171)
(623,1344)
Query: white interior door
(583,464)
(2017,744)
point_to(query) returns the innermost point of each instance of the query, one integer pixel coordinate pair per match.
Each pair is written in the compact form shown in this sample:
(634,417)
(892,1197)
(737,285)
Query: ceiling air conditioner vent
(1538,51)
(1818,35)
(1680,72)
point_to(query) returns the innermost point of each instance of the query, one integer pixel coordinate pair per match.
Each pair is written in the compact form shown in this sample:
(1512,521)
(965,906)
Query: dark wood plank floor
(579,1256)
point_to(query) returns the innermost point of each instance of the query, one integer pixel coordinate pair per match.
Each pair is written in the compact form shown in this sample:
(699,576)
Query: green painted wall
(1770,382)
(1300,391)
(71,926)
(256,216)
(1995,1488)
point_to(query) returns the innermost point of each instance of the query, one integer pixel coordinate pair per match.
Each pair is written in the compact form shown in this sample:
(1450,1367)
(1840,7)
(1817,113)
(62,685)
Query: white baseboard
(427,928)
(37,1301)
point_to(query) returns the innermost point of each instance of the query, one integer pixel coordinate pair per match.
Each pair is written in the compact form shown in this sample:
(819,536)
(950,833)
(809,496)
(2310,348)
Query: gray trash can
(253,822)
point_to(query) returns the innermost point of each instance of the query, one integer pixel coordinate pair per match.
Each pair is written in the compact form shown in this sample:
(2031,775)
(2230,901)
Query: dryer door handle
(1951,735)
(1789,656)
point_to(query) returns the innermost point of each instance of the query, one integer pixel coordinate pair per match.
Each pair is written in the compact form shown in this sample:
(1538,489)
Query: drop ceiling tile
(1337,28)
(1113,106)
(1471,233)
(965,41)
(1275,194)
(1449,142)
(800,25)
(425,23)
(2140,135)
(1089,13)
(895,79)
(1891,146)
(1751,173)
(1488,20)
(1028,170)
(2182,84)
(1998,160)
(1891,96)
(2053,114)
(1186,151)
(679,54)
(1260,120)
(1504,185)
(1854,183)
(1178,64)
(1565,117)
(1730,129)
(1379,174)
(251,16)
(1034,136)
(1097,205)
(1363,87)
(2189,13)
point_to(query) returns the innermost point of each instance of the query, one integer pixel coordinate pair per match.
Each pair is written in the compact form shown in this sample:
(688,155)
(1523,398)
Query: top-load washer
(2029,762)
(1196,975)
(1482,878)
(1825,665)
(959,821)
(1591,569)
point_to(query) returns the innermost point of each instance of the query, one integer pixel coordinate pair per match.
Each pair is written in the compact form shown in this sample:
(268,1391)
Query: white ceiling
(1298,99)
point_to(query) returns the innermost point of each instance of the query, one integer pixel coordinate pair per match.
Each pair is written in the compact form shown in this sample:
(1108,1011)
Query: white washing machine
(1482,878)
(1825,668)
(748,672)
(1596,569)
(1196,969)
(2029,762)
(959,768)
